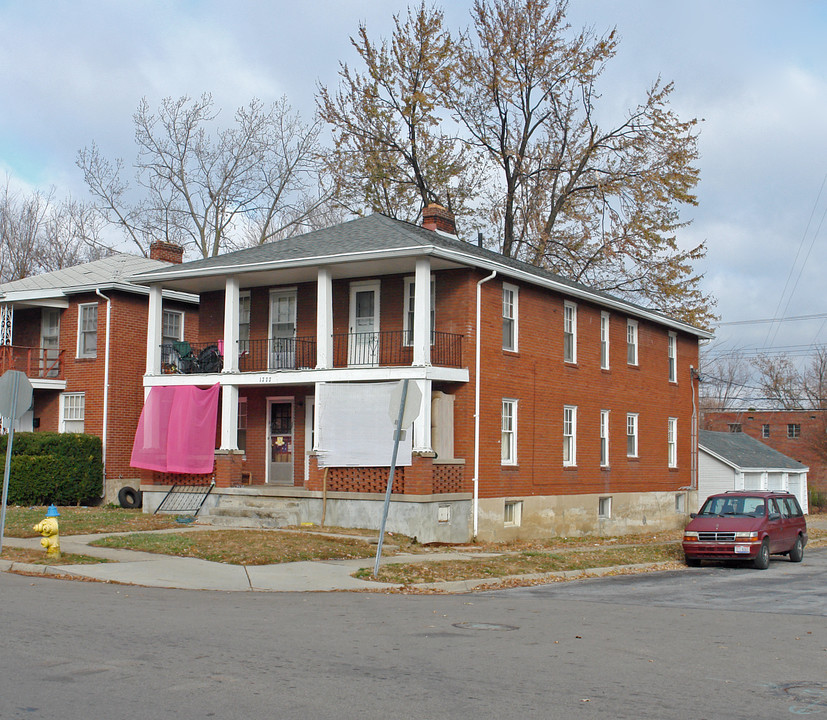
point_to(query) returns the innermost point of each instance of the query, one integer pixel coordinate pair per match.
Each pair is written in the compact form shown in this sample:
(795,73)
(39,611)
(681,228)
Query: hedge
(59,468)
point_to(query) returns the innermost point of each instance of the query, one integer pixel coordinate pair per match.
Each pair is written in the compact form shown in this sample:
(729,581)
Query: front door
(280,441)
(363,344)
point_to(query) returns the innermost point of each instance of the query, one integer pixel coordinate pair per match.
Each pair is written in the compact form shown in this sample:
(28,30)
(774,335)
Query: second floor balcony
(371,349)
(35,362)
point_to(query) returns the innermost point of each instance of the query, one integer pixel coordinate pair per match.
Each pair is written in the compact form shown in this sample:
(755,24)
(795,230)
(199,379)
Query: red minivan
(746,525)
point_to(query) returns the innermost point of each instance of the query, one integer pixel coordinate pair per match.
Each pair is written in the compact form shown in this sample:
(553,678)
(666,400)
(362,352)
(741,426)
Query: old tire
(797,553)
(693,561)
(762,559)
(130,498)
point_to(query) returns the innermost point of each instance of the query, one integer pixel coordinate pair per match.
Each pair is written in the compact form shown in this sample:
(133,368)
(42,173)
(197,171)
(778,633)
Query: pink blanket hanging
(176,432)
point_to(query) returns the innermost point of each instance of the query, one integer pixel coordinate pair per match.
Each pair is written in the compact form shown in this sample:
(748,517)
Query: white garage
(736,461)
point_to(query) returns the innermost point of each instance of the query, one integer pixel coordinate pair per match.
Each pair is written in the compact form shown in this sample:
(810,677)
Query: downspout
(105,386)
(477,406)
(693,473)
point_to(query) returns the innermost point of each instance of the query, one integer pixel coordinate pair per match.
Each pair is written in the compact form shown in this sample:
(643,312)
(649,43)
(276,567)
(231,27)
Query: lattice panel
(181,479)
(449,478)
(367,480)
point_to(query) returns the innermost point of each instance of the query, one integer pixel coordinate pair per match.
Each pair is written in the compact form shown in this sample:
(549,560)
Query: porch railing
(35,362)
(380,349)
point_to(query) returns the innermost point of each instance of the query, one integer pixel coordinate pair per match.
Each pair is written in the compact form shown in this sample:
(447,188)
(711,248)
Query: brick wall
(808,448)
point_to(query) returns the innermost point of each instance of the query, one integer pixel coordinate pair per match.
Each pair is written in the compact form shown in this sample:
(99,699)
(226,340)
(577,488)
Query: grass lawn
(84,520)
(38,557)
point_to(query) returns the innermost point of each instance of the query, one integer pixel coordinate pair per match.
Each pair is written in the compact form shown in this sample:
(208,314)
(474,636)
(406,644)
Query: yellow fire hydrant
(50,531)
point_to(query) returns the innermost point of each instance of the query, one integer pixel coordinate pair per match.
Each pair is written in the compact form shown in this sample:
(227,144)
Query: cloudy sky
(755,71)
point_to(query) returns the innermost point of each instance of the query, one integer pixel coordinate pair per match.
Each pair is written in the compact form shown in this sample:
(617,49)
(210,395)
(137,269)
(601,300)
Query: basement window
(512,513)
(604,508)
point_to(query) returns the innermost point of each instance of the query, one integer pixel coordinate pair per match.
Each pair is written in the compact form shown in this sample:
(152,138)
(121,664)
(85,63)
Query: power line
(815,316)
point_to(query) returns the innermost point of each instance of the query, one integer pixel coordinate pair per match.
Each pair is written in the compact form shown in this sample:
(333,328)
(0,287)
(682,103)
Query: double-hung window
(569,436)
(604,438)
(631,342)
(672,442)
(408,314)
(72,412)
(672,351)
(510,310)
(244,323)
(631,435)
(569,332)
(509,432)
(604,340)
(88,330)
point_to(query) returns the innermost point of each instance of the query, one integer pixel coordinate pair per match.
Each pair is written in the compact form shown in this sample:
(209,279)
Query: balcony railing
(380,349)
(35,362)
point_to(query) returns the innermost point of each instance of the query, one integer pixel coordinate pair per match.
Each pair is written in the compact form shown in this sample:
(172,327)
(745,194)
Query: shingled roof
(379,234)
(743,451)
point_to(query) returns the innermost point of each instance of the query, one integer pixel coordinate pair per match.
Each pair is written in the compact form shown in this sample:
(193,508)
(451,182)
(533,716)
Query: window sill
(569,467)
(633,458)
(510,467)
(515,353)
(570,363)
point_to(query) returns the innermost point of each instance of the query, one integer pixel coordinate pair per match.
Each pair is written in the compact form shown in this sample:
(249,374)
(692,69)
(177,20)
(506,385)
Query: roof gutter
(478,343)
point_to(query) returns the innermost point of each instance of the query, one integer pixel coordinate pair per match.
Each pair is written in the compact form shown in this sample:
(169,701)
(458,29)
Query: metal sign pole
(390,476)
(7,471)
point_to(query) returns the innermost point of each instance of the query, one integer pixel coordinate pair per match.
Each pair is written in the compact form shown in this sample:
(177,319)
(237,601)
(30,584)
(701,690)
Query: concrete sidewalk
(166,571)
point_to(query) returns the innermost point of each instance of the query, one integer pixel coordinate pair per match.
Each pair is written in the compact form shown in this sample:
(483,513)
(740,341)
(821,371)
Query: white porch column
(231,303)
(740,477)
(154,331)
(422,424)
(324,319)
(765,480)
(422,313)
(229,417)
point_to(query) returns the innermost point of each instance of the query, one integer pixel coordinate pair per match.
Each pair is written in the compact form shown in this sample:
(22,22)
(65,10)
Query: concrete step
(249,523)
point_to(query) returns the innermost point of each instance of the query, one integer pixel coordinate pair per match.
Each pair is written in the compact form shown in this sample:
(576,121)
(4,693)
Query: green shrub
(59,468)
(817,498)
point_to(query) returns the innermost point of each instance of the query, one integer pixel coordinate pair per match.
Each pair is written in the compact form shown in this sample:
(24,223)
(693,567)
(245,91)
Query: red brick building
(55,327)
(546,407)
(798,434)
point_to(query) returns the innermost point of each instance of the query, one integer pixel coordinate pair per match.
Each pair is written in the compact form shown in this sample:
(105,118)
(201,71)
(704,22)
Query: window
(88,330)
(765,430)
(509,432)
(509,317)
(604,507)
(241,432)
(604,340)
(72,412)
(282,330)
(512,513)
(680,503)
(604,438)
(631,342)
(734,427)
(244,323)
(793,430)
(672,442)
(569,436)
(172,327)
(570,332)
(408,315)
(672,351)
(631,435)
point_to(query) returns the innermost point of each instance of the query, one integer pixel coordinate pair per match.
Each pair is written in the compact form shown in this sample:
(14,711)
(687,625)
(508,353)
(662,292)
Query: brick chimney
(168,252)
(436,217)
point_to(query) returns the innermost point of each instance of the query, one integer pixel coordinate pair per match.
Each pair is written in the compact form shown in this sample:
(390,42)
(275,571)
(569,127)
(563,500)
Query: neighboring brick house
(54,328)
(798,434)
(585,402)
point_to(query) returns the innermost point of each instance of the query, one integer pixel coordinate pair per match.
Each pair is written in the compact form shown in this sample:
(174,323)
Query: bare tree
(725,381)
(208,187)
(791,386)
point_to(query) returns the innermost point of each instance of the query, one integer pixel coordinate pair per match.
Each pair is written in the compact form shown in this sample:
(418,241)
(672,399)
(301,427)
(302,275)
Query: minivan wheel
(797,553)
(762,559)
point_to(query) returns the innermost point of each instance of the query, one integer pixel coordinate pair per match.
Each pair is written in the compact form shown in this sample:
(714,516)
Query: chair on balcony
(210,360)
(184,360)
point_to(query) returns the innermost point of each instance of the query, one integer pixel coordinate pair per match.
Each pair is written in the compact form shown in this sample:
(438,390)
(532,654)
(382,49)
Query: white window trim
(408,297)
(570,435)
(515,314)
(672,354)
(604,438)
(604,340)
(672,442)
(632,424)
(512,433)
(516,513)
(180,313)
(570,328)
(632,339)
(604,507)
(242,321)
(67,407)
(81,307)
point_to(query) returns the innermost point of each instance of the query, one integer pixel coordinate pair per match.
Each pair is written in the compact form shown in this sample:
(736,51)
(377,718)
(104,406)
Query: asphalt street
(707,643)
